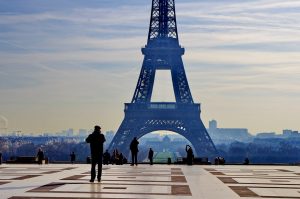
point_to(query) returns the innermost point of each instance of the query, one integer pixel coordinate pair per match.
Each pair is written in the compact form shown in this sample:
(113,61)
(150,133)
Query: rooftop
(145,181)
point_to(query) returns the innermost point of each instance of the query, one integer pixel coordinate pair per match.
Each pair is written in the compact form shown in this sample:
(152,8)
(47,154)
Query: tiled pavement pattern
(124,180)
(145,181)
(260,182)
(23,172)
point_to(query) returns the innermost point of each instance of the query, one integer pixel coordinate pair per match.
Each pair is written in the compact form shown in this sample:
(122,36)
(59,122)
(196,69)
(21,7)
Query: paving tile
(145,181)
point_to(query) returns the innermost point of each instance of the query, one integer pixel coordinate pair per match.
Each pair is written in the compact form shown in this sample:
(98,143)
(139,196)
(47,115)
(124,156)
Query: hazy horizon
(73,64)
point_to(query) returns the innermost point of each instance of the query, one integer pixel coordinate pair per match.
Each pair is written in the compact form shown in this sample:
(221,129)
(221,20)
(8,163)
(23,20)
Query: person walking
(96,140)
(150,156)
(190,154)
(246,161)
(113,157)
(73,157)
(134,151)
(0,158)
(40,156)
(121,158)
(106,157)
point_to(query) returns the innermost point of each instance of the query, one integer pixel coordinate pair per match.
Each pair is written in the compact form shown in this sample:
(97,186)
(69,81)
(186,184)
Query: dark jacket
(40,155)
(134,146)
(96,140)
(150,154)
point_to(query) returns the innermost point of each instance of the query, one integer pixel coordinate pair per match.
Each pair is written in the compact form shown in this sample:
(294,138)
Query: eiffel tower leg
(201,141)
(120,140)
(143,91)
(128,129)
(180,83)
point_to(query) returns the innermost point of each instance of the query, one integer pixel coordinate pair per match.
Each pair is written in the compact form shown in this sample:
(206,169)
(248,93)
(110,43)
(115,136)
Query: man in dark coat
(73,157)
(40,156)
(106,157)
(134,151)
(190,155)
(150,156)
(96,140)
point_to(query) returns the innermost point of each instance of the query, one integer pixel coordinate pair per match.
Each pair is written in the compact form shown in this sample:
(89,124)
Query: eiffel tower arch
(142,116)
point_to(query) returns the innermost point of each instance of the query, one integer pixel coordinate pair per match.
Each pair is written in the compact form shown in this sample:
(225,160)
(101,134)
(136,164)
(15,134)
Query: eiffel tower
(142,116)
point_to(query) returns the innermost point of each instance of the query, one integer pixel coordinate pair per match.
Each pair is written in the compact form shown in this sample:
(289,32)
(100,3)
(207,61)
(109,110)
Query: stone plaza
(145,181)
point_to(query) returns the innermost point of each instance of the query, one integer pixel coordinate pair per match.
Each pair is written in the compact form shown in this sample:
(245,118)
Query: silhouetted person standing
(121,157)
(113,157)
(106,157)
(150,156)
(96,140)
(134,151)
(117,156)
(189,155)
(217,161)
(73,157)
(40,156)
(246,161)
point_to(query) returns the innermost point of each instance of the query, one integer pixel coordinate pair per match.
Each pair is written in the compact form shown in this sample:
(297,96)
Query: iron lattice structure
(163,52)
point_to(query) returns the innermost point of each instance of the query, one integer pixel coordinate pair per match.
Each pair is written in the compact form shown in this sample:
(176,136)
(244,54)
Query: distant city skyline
(232,132)
(67,64)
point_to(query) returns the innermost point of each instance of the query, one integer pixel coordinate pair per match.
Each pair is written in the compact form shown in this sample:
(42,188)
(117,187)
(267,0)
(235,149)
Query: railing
(162,106)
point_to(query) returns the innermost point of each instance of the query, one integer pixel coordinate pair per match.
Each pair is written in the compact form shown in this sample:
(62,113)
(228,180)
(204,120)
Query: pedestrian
(117,157)
(221,160)
(106,157)
(40,156)
(190,155)
(150,156)
(217,161)
(134,151)
(246,161)
(73,157)
(121,157)
(96,140)
(112,158)
(124,160)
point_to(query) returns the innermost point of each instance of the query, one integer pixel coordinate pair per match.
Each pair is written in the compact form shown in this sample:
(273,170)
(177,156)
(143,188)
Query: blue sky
(74,63)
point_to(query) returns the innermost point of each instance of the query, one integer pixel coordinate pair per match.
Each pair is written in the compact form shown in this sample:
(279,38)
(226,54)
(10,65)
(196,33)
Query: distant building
(70,132)
(63,133)
(15,134)
(227,135)
(213,124)
(47,134)
(82,133)
(266,135)
(290,133)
